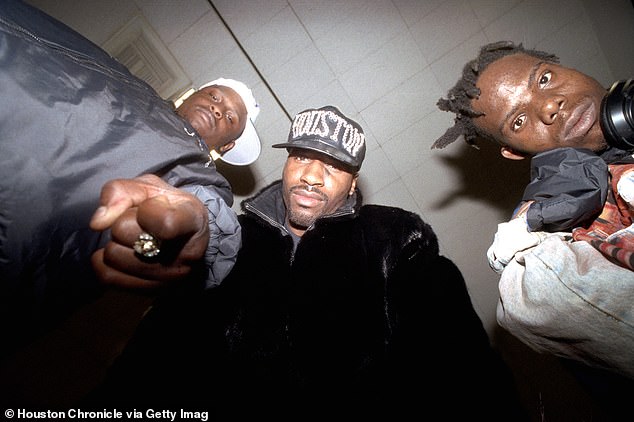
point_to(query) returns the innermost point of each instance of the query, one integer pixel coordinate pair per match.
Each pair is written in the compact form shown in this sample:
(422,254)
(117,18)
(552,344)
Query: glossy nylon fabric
(569,187)
(72,118)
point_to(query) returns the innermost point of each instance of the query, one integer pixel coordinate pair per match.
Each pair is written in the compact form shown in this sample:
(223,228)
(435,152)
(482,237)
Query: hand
(148,204)
(512,237)
(625,187)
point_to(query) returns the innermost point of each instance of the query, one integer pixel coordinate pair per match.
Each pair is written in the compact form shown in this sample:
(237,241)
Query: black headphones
(617,109)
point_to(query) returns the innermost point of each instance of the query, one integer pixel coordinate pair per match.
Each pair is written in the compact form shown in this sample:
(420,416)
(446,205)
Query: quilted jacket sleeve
(73,119)
(569,187)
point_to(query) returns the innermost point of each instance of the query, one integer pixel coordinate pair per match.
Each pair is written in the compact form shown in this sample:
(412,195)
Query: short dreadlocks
(459,97)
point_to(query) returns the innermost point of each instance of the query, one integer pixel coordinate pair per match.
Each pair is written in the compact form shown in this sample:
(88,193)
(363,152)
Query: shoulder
(390,217)
(392,223)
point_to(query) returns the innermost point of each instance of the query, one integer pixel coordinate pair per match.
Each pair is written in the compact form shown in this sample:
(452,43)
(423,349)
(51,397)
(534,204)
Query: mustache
(311,189)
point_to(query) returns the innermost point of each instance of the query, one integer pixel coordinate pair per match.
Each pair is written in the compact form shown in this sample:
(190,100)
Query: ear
(226,147)
(510,154)
(353,185)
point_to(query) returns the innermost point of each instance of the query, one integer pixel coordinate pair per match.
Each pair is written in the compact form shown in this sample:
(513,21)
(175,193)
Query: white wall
(612,22)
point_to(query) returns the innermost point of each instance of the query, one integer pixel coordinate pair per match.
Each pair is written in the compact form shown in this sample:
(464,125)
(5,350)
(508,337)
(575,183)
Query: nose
(217,110)
(550,108)
(313,173)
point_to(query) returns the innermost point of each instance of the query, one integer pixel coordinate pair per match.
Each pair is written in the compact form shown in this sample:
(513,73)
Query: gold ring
(147,245)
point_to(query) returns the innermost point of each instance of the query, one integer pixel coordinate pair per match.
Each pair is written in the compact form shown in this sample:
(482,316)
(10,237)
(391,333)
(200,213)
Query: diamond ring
(147,245)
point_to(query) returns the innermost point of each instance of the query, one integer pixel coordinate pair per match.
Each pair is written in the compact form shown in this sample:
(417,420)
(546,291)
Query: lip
(305,198)
(580,121)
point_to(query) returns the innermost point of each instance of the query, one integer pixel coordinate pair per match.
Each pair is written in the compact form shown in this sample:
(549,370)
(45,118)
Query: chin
(599,143)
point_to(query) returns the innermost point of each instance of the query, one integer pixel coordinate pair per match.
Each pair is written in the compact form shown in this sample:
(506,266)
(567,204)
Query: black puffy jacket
(71,119)
(569,187)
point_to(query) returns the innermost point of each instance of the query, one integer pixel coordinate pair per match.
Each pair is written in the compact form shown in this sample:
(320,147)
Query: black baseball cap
(328,131)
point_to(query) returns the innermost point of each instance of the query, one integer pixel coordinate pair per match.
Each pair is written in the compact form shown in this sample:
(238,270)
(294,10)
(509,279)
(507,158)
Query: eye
(518,122)
(214,97)
(229,117)
(545,78)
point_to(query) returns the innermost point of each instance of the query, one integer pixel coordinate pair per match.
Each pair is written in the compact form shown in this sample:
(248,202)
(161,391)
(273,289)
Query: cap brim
(320,147)
(247,148)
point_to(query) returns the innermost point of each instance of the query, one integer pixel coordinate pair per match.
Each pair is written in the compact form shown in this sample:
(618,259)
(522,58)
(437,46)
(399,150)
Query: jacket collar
(616,155)
(268,204)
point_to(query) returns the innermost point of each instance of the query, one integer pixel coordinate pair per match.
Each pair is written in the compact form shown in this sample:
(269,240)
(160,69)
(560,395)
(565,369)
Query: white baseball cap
(247,147)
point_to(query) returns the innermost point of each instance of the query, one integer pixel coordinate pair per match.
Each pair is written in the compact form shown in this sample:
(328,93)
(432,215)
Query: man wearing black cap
(332,308)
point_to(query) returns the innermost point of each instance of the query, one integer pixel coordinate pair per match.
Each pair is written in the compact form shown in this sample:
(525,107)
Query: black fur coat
(365,318)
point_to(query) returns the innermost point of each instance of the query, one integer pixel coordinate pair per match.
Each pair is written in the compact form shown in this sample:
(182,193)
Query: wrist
(522,209)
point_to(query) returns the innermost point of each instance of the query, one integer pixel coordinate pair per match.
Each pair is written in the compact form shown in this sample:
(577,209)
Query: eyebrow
(531,80)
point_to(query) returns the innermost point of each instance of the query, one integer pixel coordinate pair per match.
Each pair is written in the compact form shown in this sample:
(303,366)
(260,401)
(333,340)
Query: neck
(297,231)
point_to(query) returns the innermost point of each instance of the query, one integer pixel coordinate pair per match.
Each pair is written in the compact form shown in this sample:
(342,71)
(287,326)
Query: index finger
(119,195)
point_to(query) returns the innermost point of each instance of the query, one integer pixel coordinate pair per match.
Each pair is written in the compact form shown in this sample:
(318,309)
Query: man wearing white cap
(78,120)
(223,112)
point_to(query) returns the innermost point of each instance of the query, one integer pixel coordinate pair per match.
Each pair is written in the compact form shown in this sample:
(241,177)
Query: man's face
(218,115)
(533,106)
(313,185)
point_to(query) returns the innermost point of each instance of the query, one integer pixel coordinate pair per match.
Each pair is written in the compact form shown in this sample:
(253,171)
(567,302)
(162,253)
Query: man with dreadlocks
(557,296)
(531,106)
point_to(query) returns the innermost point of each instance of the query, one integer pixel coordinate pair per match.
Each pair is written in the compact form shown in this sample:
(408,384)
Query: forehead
(512,66)
(503,85)
(319,156)
(506,79)
(227,93)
